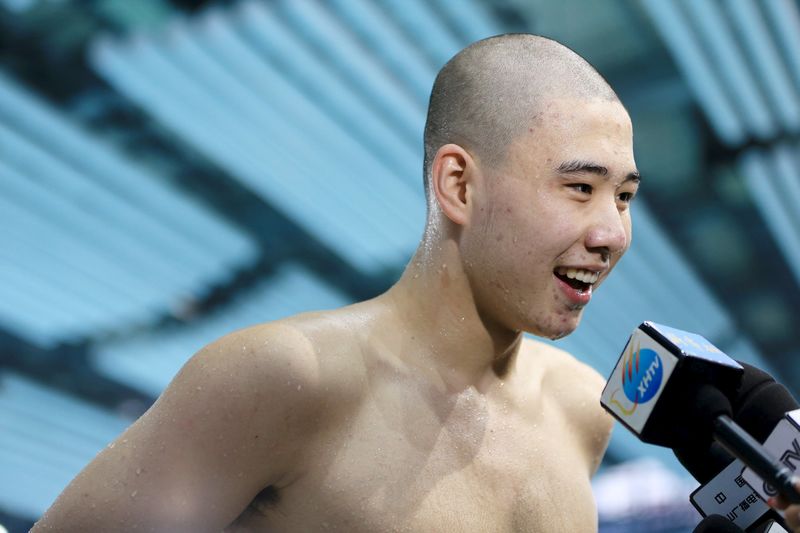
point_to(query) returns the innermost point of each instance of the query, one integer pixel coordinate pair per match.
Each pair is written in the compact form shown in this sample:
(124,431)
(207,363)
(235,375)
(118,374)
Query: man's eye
(627,197)
(584,188)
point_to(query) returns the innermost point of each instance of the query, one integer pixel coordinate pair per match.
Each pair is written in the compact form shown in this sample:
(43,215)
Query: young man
(423,409)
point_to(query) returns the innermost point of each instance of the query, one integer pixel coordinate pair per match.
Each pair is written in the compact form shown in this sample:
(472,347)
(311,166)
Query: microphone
(728,495)
(653,388)
(777,427)
(784,443)
(759,405)
(746,508)
(714,406)
(761,402)
(675,389)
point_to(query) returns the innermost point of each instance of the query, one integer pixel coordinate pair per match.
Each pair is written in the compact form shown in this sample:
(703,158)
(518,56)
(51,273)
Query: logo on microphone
(642,373)
(641,376)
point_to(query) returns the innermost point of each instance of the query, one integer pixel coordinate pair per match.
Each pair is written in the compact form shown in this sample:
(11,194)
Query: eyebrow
(576,165)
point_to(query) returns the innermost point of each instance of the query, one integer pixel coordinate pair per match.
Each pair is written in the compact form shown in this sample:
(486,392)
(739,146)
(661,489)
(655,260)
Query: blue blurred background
(172,170)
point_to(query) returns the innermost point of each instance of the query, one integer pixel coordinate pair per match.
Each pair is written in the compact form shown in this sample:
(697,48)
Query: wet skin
(421,410)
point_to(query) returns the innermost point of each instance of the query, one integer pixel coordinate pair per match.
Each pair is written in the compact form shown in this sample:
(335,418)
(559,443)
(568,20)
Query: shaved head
(492,91)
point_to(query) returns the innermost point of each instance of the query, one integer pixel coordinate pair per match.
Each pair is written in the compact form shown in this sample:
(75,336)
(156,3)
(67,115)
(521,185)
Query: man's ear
(452,175)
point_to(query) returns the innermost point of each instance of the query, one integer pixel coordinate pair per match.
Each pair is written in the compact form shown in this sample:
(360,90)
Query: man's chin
(554,333)
(560,335)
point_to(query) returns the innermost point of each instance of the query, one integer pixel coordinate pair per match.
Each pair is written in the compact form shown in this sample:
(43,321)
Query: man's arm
(229,424)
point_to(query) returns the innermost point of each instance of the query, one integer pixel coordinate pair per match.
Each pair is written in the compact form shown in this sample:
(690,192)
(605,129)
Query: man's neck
(434,303)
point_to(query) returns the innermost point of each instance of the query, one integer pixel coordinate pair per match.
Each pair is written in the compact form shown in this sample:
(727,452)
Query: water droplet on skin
(134,493)
(138,471)
(199,387)
(299,387)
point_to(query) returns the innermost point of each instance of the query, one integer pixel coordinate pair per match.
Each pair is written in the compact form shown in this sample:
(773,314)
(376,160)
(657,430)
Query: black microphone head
(685,414)
(703,461)
(653,390)
(758,405)
(761,402)
(752,379)
(699,454)
(717,524)
(710,402)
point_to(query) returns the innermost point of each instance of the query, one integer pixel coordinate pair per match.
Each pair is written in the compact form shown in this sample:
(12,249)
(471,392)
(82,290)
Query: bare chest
(404,463)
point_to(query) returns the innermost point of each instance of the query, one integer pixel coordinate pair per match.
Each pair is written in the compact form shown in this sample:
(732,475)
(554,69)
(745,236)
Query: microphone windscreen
(717,524)
(758,405)
(761,403)
(703,462)
(709,403)
(701,455)
(752,379)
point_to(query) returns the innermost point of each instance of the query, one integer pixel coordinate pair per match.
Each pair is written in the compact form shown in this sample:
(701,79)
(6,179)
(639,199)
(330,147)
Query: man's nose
(608,232)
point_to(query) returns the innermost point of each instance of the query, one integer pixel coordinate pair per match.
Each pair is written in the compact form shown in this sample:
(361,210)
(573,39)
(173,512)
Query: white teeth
(586,276)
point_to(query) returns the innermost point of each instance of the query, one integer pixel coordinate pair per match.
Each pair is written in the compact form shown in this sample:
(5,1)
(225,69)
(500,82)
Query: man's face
(550,224)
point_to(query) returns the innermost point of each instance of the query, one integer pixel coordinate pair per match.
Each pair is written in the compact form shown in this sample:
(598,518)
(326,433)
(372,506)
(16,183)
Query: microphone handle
(747,449)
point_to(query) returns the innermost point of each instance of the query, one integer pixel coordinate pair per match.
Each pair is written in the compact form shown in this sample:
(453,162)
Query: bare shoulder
(576,388)
(277,356)
(233,421)
(311,350)
(297,365)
